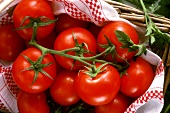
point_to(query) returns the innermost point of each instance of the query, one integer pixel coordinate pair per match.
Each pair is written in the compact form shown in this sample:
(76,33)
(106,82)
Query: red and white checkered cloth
(98,12)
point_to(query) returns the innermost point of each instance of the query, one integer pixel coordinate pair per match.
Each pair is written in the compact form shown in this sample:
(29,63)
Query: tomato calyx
(94,71)
(111,51)
(37,67)
(41,21)
(110,44)
(128,43)
(81,46)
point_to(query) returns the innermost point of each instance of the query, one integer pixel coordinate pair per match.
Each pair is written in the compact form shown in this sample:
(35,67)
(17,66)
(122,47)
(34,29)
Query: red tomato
(65,40)
(63,90)
(24,78)
(117,105)
(109,30)
(137,79)
(65,21)
(98,90)
(11,43)
(47,42)
(34,9)
(94,29)
(32,103)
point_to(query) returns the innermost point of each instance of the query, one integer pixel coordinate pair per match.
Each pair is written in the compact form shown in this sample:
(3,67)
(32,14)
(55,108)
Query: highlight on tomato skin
(108,31)
(25,68)
(32,102)
(67,39)
(34,9)
(62,89)
(118,105)
(138,78)
(11,43)
(98,90)
(107,91)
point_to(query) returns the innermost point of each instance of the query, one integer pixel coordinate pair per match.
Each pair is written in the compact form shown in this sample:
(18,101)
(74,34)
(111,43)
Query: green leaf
(154,7)
(142,49)
(127,43)
(124,39)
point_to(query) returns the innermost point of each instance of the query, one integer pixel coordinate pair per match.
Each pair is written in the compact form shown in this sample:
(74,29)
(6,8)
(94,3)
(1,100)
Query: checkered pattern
(93,12)
(156,93)
(160,69)
(8,89)
(3,107)
(94,8)
(5,18)
(74,11)
(149,95)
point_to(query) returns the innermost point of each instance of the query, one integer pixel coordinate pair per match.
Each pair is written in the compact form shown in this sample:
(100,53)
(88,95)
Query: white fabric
(100,13)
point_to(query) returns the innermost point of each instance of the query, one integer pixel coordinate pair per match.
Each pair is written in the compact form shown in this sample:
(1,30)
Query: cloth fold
(100,13)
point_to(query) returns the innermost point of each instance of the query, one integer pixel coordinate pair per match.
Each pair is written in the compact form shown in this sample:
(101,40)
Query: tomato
(47,42)
(11,44)
(24,77)
(108,30)
(63,90)
(65,21)
(32,103)
(117,105)
(34,9)
(137,79)
(65,40)
(94,29)
(98,90)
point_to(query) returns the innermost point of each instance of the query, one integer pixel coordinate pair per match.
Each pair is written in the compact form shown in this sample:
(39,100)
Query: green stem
(98,55)
(35,27)
(166,109)
(63,52)
(145,12)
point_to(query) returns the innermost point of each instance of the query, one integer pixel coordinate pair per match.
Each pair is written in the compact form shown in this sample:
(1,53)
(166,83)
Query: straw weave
(137,17)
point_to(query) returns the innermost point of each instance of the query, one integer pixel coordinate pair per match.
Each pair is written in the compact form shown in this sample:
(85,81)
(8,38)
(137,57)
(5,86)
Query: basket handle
(4,4)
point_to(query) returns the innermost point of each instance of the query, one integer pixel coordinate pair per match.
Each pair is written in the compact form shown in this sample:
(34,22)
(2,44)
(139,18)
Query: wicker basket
(137,17)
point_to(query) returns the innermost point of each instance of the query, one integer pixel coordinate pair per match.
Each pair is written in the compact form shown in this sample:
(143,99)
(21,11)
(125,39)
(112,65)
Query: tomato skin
(47,42)
(32,103)
(62,90)
(99,90)
(11,43)
(109,30)
(94,29)
(34,9)
(65,21)
(23,79)
(137,79)
(65,40)
(117,105)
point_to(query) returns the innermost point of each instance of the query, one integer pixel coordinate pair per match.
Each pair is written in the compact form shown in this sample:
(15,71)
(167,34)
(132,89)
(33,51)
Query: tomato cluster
(75,65)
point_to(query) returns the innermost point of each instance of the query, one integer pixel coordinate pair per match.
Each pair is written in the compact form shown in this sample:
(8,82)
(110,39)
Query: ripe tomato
(65,40)
(34,9)
(98,90)
(32,103)
(24,77)
(94,29)
(47,42)
(11,43)
(109,30)
(62,90)
(65,21)
(117,105)
(137,79)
